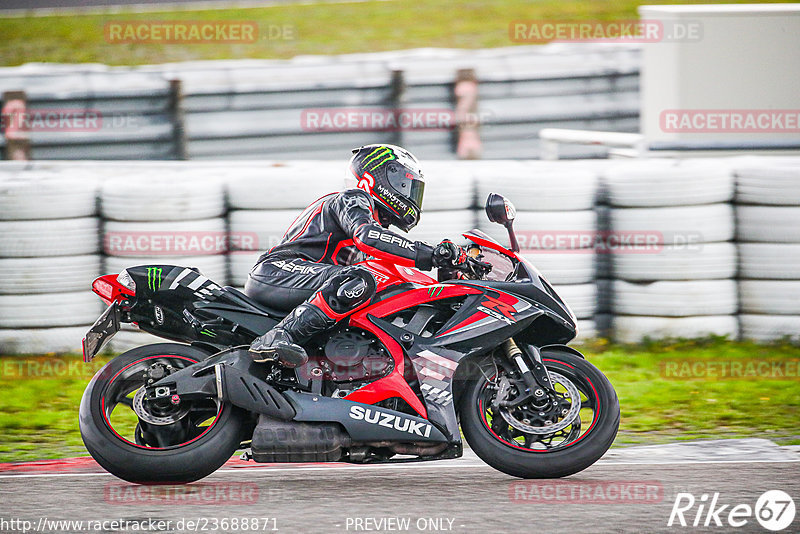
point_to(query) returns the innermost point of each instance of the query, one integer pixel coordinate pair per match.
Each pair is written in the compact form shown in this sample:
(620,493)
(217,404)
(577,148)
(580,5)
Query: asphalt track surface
(628,491)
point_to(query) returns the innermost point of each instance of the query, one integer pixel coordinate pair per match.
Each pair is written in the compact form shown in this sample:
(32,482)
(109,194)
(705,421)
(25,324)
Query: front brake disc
(575,406)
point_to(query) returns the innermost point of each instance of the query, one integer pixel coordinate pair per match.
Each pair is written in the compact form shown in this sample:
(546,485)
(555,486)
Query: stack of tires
(49,256)
(671,258)
(447,206)
(768,235)
(265,201)
(556,226)
(172,218)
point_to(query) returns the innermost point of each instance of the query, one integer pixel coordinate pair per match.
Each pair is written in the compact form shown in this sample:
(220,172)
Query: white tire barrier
(768,184)
(769,261)
(587,329)
(675,298)
(704,262)
(37,195)
(438,225)
(49,309)
(279,188)
(768,224)
(50,237)
(770,327)
(165,238)
(213,267)
(771,297)
(48,275)
(565,267)
(43,340)
(676,225)
(667,183)
(130,337)
(447,188)
(240,264)
(632,329)
(266,227)
(581,298)
(166,197)
(533,187)
(542,230)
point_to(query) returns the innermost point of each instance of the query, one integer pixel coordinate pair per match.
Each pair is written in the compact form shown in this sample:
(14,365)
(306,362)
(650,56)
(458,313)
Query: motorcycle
(474,351)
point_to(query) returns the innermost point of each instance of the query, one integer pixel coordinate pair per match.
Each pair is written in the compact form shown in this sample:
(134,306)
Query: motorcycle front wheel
(555,439)
(149,443)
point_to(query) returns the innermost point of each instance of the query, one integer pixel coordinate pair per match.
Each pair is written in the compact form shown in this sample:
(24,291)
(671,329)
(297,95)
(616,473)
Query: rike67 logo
(774,510)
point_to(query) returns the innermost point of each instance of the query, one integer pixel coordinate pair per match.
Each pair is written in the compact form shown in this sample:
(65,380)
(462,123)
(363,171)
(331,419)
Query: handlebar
(447,256)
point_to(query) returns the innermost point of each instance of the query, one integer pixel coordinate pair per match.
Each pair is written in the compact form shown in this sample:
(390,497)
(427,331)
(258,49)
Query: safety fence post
(14,126)
(397,91)
(468,141)
(178,119)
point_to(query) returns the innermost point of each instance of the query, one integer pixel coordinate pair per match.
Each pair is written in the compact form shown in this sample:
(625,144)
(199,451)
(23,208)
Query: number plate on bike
(101,332)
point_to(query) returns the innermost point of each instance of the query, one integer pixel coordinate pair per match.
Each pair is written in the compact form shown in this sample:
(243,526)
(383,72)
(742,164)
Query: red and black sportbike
(474,351)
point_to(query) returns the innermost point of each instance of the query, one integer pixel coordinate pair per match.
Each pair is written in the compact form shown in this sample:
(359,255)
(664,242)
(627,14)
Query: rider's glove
(448,254)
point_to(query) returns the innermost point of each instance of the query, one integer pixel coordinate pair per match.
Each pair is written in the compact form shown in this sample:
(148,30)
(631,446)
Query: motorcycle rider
(312,270)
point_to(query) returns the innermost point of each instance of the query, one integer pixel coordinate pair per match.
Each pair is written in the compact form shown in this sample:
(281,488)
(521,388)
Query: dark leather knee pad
(348,289)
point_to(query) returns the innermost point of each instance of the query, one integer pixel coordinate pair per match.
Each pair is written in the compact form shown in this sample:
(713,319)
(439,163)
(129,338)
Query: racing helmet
(393,178)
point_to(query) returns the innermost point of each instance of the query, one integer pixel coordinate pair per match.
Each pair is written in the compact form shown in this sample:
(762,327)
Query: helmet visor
(408,184)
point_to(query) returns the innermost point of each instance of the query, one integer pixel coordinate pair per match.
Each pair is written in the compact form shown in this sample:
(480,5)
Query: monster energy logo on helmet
(154,278)
(392,176)
(378,157)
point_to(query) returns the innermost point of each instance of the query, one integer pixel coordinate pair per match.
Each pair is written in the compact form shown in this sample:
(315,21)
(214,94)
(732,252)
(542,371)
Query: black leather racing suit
(336,231)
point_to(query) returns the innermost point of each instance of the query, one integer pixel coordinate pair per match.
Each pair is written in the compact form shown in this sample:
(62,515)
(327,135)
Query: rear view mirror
(500,210)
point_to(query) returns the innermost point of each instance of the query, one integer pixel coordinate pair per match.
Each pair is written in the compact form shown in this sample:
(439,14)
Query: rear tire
(565,459)
(144,464)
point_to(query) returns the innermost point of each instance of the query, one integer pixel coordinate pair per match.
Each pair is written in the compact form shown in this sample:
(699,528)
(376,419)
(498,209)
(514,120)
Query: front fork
(537,381)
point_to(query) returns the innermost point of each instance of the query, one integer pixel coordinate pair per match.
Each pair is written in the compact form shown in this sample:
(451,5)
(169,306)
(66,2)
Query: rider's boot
(339,296)
(282,343)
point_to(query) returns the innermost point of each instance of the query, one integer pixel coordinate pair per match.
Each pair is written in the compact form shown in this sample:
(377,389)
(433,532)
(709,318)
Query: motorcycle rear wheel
(180,444)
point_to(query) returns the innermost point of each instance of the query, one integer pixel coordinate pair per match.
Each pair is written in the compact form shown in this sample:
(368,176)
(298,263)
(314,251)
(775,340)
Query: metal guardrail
(638,147)
(254,109)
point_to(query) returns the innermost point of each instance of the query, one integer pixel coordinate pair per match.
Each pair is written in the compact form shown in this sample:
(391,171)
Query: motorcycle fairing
(484,319)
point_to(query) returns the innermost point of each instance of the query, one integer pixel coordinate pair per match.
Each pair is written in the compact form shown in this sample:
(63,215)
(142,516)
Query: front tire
(201,439)
(518,454)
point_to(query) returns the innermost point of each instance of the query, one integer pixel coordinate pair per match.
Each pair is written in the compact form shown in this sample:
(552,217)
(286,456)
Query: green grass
(39,411)
(659,407)
(317,29)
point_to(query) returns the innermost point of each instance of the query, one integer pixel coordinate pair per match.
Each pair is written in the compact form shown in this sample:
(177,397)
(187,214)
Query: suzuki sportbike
(474,351)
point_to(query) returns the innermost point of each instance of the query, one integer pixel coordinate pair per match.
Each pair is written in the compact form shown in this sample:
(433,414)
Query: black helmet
(391,175)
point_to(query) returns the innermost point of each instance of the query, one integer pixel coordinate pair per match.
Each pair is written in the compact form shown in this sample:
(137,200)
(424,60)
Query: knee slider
(349,289)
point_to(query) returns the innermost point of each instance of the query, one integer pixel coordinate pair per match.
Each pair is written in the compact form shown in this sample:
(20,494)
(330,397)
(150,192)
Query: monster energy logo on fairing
(379,156)
(154,278)
(435,291)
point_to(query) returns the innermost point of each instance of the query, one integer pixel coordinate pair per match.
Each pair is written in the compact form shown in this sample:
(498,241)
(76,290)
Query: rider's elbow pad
(424,256)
